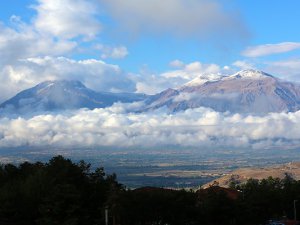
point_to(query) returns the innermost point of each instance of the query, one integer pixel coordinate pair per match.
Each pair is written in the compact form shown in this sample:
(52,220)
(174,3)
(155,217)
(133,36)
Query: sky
(145,46)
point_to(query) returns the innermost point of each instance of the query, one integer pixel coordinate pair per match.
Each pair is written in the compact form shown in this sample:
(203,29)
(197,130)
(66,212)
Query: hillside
(244,174)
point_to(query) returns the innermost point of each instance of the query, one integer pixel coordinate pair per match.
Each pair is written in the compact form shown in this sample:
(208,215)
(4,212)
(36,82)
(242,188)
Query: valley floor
(184,168)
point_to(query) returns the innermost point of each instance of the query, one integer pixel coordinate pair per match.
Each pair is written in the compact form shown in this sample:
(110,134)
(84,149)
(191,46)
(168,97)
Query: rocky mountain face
(248,91)
(62,95)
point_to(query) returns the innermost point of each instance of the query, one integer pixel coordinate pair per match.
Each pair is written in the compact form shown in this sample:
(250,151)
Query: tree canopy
(67,193)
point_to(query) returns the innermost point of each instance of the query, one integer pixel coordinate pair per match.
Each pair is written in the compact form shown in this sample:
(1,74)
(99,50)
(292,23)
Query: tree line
(67,193)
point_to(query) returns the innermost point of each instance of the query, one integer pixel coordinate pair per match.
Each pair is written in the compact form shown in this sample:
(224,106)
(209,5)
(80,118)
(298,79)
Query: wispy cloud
(113,52)
(270,49)
(193,18)
(243,64)
(176,63)
(285,69)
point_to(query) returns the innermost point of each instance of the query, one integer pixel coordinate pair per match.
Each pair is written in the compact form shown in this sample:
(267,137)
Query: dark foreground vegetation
(66,193)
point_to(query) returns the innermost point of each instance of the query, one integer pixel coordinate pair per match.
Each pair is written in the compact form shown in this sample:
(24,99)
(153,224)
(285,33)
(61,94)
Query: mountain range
(248,91)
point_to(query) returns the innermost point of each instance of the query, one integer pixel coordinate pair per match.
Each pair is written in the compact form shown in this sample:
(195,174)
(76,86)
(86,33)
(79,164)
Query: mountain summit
(251,74)
(62,95)
(248,91)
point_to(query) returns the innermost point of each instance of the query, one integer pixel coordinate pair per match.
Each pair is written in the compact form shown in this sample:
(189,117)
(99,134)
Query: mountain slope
(247,91)
(62,95)
(244,174)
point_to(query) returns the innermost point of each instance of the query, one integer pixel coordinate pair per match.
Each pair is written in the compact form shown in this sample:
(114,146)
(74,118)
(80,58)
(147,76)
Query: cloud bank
(116,127)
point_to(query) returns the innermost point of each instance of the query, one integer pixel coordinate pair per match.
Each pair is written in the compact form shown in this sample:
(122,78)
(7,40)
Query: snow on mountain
(62,95)
(248,91)
(250,74)
(204,78)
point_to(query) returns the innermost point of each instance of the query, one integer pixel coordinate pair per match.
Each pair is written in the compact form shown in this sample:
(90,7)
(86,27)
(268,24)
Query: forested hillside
(63,192)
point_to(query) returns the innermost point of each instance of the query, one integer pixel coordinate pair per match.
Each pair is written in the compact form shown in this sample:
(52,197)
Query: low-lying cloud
(116,127)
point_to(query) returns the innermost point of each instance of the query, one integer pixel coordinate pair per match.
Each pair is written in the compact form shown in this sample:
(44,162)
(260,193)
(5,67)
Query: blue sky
(143,37)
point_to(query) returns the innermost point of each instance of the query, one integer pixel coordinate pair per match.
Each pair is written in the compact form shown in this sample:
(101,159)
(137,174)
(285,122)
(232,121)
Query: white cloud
(177,64)
(59,28)
(292,64)
(244,65)
(150,83)
(270,49)
(95,74)
(186,96)
(226,68)
(190,96)
(114,127)
(153,83)
(67,18)
(29,52)
(117,52)
(24,41)
(192,70)
(195,18)
(286,69)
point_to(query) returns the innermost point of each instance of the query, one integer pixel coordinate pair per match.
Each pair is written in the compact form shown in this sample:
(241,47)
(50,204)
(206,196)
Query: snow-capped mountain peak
(247,91)
(203,79)
(243,74)
(61,83)
(250,74)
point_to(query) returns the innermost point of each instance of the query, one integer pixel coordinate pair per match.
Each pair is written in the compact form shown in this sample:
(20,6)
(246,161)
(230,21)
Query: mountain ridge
(247,91)
(64,95)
